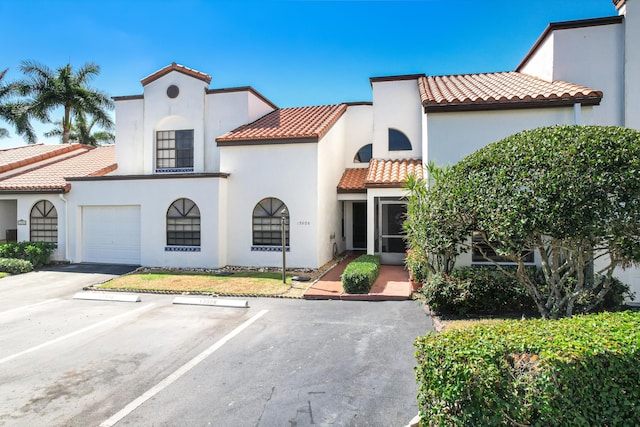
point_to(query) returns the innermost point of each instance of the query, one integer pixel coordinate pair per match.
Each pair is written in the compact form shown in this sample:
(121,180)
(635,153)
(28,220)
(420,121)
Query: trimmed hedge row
(579,371)
(15,266)
(485,289)
(359,275)
(37,253)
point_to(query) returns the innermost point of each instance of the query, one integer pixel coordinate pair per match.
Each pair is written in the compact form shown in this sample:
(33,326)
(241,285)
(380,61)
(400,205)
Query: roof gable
(180,69)
(301,124)
(499,91)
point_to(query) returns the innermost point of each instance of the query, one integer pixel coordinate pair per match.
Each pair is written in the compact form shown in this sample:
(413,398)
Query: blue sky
(294,52)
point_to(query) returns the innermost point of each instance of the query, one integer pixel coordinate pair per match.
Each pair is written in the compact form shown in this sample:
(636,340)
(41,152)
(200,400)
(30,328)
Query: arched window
(43,222)
(267,223)
(398,141)
(183,223)
(364,154)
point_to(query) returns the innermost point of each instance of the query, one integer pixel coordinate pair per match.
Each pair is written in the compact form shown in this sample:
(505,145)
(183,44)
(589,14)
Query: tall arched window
(267,222)
(43,222)
(398,141)
(364,154)
(183,223)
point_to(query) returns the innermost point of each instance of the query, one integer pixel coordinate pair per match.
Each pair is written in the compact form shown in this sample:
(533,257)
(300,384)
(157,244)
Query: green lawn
(242,283)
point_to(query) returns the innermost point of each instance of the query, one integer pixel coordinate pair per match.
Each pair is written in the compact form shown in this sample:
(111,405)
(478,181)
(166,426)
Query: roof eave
(267,141)
(509,105)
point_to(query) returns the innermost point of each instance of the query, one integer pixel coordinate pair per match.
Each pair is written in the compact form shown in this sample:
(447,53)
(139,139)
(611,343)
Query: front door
(360,225)
(391,215)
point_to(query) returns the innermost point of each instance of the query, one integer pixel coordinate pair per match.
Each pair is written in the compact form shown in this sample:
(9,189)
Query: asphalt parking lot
(70,362)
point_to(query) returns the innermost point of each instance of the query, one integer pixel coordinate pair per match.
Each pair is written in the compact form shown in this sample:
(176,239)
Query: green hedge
(15,266)
(360,274)
(37,253)
(485,289)
(580,371)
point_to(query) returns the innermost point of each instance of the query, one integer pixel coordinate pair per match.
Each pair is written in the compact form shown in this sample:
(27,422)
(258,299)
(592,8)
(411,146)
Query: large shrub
(487,289)
(476,290)
(37,253)
(579,371)
(359,275)
(15,266)
(571,194)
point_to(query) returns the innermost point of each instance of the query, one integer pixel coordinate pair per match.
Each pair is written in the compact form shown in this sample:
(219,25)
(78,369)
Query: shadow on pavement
(115,269)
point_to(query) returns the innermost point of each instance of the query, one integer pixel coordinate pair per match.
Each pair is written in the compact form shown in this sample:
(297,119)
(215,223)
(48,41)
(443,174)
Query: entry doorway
(391,244)
(359,221)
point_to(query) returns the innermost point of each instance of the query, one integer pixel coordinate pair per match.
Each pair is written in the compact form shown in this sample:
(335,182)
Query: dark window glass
(364,154)
(267,223)
(480,246)
(174,149)
(44,222)
(398,141)
(183,223)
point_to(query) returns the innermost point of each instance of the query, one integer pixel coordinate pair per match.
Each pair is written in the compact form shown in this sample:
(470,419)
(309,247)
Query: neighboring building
(204,176)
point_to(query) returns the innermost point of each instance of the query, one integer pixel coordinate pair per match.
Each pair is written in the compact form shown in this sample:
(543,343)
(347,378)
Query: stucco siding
(285,171)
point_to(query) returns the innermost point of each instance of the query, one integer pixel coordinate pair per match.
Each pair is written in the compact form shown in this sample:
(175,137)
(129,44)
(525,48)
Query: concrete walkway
(391,285)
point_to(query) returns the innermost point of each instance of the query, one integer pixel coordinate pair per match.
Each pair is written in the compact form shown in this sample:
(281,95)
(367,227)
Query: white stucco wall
(454,135)
(358,133)
(186,110)
(130,136)
(331,158)
(226,111)
(541,63)
(287,172)
(631,11)
(8,212)
(153,196)
(396,104)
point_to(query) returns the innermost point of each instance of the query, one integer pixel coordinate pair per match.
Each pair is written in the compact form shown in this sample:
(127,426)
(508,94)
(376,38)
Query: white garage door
(111,234)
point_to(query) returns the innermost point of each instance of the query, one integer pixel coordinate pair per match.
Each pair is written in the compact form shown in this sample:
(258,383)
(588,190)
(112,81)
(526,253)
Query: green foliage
(579,371)
(15,266)
(14,111)
(569,193)
(477,290)
(433,235)
(359,275)
(37,253)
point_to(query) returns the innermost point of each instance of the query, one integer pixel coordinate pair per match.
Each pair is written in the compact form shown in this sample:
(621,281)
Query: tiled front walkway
(392,284)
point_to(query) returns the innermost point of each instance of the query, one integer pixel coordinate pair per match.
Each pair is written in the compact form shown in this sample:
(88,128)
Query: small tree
(569,193)
(434,235)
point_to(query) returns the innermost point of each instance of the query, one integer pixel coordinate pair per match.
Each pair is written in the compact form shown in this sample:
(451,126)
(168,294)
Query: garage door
(111,234)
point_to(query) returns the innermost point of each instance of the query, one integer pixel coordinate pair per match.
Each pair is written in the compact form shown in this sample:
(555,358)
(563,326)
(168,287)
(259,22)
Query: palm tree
(50,90)
(14,111)
(83,133)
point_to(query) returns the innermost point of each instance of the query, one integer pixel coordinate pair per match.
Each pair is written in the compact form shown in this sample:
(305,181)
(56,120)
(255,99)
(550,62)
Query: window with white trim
(183,223)
(483,250)
(174,149)
(267,222)
(43,221)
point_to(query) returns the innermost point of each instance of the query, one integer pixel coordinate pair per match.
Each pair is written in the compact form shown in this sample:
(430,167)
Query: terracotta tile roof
(618,3)
(179,68)
(499,90)
(380,173)
(306,123)
(18,157)
(392,173)
(88,161)
(352,181)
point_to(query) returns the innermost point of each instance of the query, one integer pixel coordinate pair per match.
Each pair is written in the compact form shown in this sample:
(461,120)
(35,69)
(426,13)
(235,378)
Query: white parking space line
(179,372)
(73,334)
(25,307)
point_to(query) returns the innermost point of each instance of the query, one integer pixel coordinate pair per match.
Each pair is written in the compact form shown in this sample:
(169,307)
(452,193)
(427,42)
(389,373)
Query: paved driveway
(66,362)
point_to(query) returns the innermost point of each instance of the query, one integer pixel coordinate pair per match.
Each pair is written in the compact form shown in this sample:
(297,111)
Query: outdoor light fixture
(22,222)
(284,244)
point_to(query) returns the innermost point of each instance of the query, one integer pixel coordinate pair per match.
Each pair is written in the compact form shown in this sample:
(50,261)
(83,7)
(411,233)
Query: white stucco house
(201,177)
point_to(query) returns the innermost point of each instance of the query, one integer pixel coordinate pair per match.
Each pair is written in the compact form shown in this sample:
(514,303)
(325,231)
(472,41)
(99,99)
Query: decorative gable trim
(180,69)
